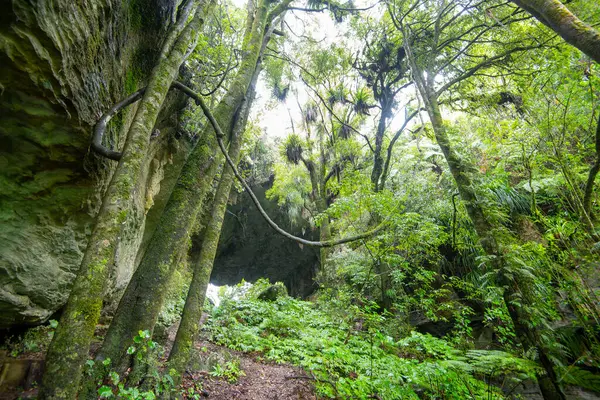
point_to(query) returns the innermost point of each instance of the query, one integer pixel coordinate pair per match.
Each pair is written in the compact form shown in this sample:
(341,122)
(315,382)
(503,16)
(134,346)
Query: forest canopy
(441,157)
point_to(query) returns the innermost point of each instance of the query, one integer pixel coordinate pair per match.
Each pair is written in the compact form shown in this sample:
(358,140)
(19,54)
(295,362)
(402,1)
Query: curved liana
(100,126)
(114,155)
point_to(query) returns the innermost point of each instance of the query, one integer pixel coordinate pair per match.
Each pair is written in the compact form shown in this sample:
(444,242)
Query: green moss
(135,14)
(132,79)
(122,217)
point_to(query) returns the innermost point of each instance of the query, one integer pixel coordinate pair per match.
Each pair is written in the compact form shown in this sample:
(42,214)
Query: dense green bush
(349,357)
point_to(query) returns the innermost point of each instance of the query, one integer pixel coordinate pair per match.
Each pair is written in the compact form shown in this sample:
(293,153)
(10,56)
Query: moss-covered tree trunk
(376,175)
(318,195)
(589,185)
(324,235)
(70,346)
(526,332)
(557,17)
(194,303)
(144,296)
(319,186)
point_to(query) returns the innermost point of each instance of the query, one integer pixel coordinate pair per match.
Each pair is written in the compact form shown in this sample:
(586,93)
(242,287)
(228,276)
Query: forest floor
(261,380)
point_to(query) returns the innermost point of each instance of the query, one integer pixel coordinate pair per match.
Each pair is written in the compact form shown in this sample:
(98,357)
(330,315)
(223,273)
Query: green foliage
(153,382)
(581,377)
(349,355)
(231,371)
(257,156)
(290,189)
(34,340)
(174,300)
(362,100)
(291,149)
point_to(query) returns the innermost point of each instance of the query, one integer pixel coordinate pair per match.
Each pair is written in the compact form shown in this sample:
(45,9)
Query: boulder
(273,292)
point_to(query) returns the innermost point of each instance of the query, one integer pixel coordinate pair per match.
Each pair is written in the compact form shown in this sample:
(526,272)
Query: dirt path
(263,381)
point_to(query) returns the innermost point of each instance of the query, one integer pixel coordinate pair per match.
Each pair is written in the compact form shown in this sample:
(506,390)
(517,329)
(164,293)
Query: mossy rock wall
(250,249)
(64,63)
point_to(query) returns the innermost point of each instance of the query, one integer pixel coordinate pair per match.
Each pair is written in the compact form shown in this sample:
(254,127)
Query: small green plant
(143,345)
(231,371)
(34,340)
(153,384)
(350,356)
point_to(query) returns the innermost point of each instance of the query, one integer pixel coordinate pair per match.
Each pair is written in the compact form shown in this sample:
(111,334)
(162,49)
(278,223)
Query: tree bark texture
(557,17)
(144,296)
(70,346)
(378,161)
(528,335)
(589,185)
(194,303)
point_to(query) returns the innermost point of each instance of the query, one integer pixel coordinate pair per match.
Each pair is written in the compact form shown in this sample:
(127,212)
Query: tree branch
(488,63)
(100,126)
(557,17)
(219,134)
(386,165)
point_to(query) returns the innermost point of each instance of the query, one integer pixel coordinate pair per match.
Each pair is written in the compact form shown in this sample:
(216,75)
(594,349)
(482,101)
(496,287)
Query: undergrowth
(352,357)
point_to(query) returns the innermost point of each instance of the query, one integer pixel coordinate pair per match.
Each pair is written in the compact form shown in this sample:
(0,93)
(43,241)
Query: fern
(581,377)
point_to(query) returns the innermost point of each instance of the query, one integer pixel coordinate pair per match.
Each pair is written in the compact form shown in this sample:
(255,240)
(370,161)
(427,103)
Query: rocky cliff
(63,64)
(250,249)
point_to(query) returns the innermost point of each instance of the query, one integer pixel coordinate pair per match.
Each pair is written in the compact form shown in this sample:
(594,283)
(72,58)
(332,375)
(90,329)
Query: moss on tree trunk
(589,185)
(71,342)
(141,303)
(557,17)
(194,303)
(376,175)
(527,334)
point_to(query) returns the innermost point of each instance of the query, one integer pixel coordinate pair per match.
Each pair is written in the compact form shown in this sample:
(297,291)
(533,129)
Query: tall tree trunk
(557,17)
(318,195)
(194,303)
(459,169)
(378,161)
(589,185)
(527,334)
(324,235)
(70,345)
(144,296)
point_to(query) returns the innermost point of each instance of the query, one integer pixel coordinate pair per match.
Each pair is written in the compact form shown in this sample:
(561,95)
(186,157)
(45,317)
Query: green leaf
(105,392)
(583,378)
(114,377)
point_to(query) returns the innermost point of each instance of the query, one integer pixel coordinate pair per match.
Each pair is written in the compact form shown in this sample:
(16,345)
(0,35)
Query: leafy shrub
(153,382)
(230,371)
(349,357)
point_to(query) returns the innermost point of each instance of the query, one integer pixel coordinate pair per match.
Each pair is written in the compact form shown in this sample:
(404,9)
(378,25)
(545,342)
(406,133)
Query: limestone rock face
(250,249)
(63,64)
